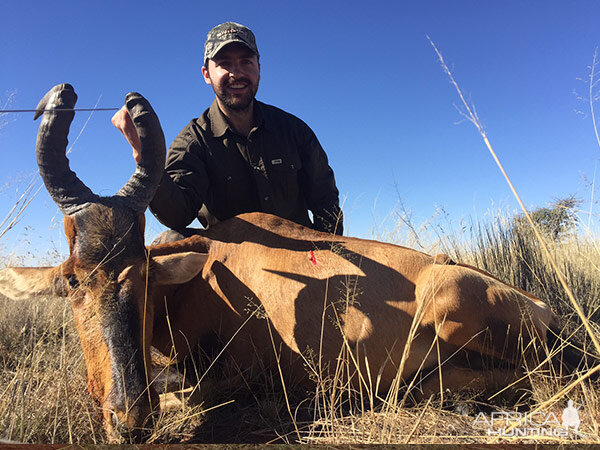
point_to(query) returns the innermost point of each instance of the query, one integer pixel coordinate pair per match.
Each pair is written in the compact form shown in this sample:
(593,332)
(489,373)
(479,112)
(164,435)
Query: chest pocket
(286,162)
(283,175)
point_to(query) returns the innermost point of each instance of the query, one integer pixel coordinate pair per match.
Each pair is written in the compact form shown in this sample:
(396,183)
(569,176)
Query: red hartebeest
(398,312)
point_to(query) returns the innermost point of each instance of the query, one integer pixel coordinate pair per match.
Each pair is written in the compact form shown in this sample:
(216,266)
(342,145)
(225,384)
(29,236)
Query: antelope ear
(177,268)
(19,283)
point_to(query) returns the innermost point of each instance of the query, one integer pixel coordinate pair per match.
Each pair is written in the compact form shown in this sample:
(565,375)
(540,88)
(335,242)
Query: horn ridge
(68,192)
(141,187)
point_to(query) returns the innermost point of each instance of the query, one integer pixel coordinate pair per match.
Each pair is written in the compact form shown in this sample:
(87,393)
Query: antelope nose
(126,423)
(123,429)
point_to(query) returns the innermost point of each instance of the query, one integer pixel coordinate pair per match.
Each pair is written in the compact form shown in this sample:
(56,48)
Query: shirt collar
(219,124)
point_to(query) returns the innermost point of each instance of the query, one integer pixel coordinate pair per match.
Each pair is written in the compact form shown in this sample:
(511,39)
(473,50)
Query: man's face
(234,74)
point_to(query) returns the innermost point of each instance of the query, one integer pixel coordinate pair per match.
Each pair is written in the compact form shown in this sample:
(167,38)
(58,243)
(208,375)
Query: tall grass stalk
(473,118)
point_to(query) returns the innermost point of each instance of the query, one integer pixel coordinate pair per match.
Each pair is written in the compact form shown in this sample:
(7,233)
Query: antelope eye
(73,282)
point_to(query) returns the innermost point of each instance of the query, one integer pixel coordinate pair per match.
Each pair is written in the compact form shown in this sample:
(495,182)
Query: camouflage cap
(226,33)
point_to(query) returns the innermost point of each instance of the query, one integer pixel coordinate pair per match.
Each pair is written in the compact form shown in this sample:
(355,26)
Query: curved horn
(141,187)
(67,191)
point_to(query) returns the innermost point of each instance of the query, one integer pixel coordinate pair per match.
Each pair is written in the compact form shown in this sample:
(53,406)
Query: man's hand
(122,121)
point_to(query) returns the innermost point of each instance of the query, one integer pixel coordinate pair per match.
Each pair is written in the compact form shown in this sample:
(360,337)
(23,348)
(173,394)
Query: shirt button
(267,198)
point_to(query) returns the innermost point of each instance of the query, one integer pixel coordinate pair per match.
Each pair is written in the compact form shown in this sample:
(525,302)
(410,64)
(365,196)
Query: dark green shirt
(213,173)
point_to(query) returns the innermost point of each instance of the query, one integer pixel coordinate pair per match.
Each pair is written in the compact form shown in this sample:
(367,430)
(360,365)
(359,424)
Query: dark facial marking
(109,237)
(121,328)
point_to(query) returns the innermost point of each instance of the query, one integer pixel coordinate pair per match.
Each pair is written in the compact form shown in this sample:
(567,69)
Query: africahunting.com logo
(530,424)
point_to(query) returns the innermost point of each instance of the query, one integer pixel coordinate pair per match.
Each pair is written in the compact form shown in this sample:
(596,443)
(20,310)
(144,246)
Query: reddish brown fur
(382,301)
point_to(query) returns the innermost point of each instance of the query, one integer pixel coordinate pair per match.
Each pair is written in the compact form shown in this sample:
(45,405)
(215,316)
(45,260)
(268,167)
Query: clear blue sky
(361,74)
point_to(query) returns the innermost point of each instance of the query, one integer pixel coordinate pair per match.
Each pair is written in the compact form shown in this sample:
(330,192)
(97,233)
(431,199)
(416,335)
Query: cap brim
(226,43)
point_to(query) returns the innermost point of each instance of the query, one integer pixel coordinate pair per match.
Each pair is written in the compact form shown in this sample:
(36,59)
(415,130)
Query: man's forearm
(170,206)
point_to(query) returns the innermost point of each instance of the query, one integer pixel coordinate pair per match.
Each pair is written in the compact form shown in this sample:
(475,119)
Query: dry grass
(43,395)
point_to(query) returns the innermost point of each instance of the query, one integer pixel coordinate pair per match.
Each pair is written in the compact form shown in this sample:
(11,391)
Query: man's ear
(20,283)
(206,74)
(177,268)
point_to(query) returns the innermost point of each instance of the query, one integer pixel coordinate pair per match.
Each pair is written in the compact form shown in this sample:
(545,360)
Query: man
(241,155)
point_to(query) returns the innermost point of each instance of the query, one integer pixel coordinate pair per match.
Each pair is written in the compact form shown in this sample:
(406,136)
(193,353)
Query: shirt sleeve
(184,185)
(321,193)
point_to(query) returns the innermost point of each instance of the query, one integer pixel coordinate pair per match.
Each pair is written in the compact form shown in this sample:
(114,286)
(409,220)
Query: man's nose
(235,70)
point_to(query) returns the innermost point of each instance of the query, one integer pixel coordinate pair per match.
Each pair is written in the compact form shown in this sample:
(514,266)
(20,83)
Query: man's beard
(235,102)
